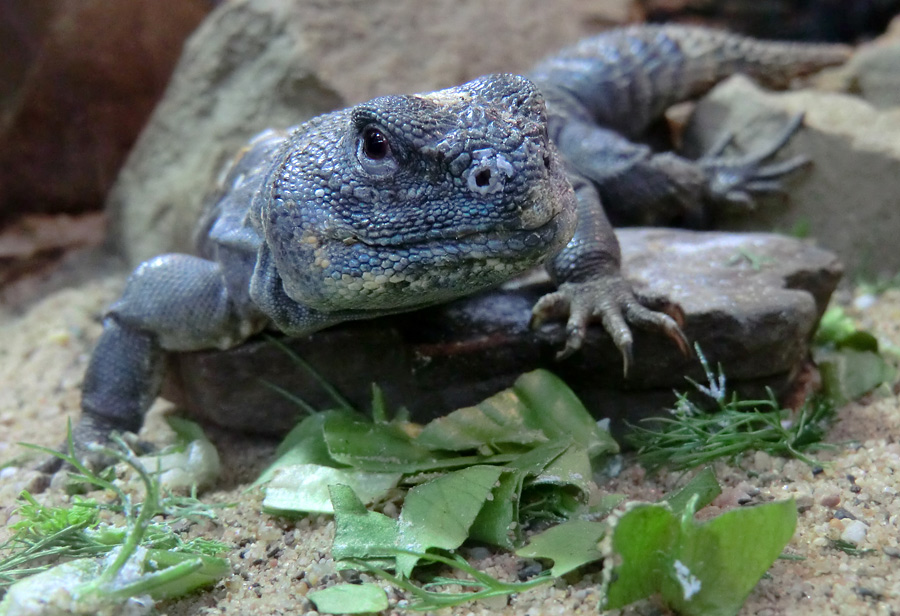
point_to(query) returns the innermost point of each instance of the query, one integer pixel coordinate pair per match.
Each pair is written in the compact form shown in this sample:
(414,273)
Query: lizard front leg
(591,285)
(170,303)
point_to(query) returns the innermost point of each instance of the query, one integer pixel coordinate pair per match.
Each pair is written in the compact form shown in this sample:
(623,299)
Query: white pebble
(855,532)
(863,302)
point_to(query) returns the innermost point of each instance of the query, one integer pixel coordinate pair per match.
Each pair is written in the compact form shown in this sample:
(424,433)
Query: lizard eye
(375,144)
(374,152)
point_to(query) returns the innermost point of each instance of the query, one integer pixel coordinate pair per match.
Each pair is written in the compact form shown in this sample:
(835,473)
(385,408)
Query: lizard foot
(611,300)
(737,180)
(90,437)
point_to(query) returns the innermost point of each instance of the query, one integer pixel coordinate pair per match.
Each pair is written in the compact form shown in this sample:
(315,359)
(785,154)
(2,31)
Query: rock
(258,64)
(830,500)
(751,301)
(855,532)
(847,198)
(78,79)
(873,74)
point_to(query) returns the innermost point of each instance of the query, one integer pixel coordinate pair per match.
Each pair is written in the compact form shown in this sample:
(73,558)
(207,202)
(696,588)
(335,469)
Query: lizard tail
(776,63)
(626,78)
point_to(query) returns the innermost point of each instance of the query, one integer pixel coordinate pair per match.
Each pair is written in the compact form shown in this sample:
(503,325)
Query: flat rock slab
(751,301)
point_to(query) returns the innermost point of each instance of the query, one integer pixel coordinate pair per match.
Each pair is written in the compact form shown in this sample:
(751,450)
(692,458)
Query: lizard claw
(611,300)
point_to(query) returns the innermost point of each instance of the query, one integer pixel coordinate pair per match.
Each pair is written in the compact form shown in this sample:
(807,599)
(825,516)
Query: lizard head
(405,201)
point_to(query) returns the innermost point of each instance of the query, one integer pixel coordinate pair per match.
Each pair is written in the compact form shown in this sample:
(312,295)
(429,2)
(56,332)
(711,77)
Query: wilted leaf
(349,599)
(569,545)
(304,488)
(538,407)
(439,513)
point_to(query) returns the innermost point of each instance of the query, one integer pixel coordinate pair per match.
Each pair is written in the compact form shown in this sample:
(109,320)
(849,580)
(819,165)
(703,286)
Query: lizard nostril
(483,178)
(546,161)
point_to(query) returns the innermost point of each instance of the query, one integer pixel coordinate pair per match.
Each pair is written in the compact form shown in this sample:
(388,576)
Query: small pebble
(868,593)
(804,502)
(529,569)
(9,471)
(830,500)
(843,514)
(479,553)
(855,532)
(891,551)
(865,301)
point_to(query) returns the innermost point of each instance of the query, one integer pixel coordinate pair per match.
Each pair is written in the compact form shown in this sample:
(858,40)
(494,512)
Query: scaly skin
(407,201)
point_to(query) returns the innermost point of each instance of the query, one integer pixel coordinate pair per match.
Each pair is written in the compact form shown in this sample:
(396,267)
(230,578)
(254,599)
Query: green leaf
(439,513)
(211,570)
(304,444)
(492,423)
(304,488)
(378,447)
(703,487)
(643,540)
(554,409)
(350,599)
(575,543)
(360,533)
(837,328)
(570,468)
(497,521)
(705,569)
(569,545)
(849,374)
(849,358)
(538,407)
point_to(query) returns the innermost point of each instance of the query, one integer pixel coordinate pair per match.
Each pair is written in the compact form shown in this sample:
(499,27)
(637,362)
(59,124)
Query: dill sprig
(46,535)
(693,436)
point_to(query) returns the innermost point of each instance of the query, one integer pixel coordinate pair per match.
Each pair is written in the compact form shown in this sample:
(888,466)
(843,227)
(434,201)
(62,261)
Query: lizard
(405,201)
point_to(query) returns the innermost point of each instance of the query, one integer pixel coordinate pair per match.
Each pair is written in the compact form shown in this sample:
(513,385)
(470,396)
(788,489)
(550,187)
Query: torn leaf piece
(705,569)
(569,545)
(304,488)
(539,407)
(439,513)
(357,441)
(701,490)
(350,599)
(302,445)
(360,533)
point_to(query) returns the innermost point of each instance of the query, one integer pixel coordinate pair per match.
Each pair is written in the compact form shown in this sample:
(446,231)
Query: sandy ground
(46,344)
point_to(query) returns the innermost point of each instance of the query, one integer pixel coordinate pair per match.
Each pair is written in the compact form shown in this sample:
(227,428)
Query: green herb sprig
(693,436)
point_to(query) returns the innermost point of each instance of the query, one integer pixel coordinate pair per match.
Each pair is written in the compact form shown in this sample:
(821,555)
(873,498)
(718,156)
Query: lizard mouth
(491,241)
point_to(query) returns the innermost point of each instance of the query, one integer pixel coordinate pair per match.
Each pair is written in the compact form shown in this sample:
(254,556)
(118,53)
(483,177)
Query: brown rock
(78,79)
